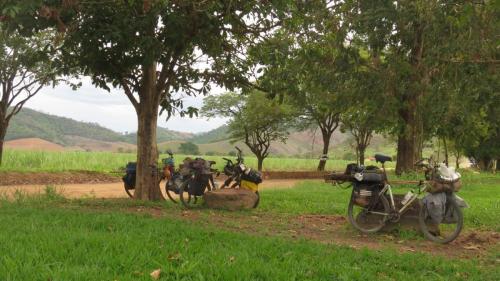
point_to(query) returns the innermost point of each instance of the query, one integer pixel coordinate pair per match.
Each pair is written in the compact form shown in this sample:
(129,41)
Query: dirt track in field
(111,190)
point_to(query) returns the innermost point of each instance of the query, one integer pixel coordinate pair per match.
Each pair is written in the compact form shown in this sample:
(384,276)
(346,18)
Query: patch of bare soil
(100,188)
(33,144)
(60,178)
(280,179)
(333,229)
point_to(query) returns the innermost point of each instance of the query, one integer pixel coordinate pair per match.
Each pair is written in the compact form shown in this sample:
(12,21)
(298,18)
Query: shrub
(189,148)
(349,156)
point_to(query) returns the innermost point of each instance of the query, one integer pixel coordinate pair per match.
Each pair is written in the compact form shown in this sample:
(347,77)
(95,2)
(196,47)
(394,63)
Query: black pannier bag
(373,177)
(351,169)
(252,175)
(364,192)
(129,178)
(197,185)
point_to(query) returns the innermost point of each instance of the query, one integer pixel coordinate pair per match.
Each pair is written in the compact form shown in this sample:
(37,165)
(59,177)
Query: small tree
(189,148)
(255,120)
(364,112)
(26,66)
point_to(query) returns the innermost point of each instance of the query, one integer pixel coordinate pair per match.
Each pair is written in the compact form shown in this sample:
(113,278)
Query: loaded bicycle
(197,178)
(240,176)
(187,183)
(372,203)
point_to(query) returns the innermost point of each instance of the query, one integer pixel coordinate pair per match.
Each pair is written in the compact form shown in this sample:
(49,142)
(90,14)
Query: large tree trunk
(326,145)
(3,132)
(408,137)
(147,186)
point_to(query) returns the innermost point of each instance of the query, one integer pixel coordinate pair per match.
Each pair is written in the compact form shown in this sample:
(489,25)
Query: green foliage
(189,148)
(433,66)
(27,64)
(349,156)
(255,119)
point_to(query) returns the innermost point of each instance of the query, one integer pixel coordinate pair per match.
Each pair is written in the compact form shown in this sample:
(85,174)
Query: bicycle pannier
(129,178)
(362,197)
(252,176)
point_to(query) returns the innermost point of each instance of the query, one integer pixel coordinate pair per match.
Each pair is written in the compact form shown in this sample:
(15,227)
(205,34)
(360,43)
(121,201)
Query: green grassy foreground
(51,238)
(41,242)
(43,161)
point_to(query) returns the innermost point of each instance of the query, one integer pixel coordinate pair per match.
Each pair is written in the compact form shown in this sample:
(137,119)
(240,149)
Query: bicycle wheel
(446,231)
(365,220)
(131,195)
(184,195)
(170,193)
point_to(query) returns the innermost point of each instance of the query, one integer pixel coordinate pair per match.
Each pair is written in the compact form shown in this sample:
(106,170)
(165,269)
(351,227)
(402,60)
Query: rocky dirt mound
(230,199)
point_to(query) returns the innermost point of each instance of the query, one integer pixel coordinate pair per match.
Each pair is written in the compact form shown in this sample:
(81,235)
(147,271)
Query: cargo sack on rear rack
(438,185)
(252,176)
(445,179)
(197,166)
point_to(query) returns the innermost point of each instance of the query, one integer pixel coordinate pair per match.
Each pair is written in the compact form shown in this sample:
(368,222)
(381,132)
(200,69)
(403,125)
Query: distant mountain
(215,135)
(162,135)
(33,124)
(68,132)
(31,129)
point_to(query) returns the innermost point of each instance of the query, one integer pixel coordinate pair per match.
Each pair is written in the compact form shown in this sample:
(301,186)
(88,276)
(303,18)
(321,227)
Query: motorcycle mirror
(169,152)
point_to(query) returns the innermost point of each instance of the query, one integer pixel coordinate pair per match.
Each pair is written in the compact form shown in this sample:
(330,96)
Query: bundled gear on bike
(200,171)
(365,181)
(372,203)
(444,181)
(250,179)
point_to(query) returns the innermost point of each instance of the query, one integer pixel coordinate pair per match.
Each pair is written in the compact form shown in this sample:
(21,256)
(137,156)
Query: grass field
(51,238)
(33,161)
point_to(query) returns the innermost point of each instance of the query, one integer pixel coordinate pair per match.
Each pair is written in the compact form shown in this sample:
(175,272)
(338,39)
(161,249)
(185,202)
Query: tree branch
(129,94)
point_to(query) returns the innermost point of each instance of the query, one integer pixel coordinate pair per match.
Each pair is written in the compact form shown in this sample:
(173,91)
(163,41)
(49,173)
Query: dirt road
(112,190)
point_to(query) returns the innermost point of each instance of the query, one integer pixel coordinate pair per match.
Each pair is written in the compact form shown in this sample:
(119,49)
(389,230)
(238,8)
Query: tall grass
(38,161)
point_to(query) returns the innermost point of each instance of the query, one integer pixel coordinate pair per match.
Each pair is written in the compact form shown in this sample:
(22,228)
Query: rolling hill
(67,132)
(34,130)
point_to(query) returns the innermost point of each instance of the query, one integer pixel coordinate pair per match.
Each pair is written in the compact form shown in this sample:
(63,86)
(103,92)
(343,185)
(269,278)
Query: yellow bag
(249,185)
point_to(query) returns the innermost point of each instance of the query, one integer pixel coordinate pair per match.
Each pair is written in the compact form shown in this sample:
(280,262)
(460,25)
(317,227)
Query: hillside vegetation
(33,124)
(75,135)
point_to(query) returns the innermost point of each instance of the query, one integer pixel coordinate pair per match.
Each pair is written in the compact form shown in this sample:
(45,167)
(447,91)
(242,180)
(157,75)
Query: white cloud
(112,109)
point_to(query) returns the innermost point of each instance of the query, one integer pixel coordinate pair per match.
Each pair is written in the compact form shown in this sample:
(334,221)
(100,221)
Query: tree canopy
(254,119)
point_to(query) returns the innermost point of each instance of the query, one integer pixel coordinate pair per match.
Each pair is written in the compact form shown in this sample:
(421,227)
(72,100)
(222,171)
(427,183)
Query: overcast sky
(111,110)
